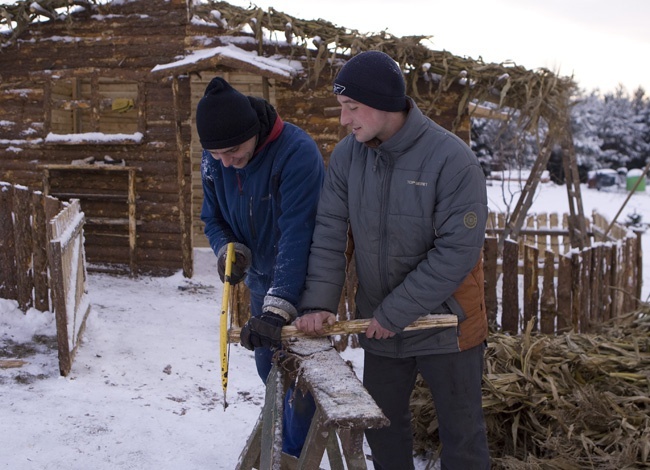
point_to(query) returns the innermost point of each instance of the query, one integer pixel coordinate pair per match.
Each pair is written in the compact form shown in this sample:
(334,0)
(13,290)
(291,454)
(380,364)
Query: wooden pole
(632,191)
(358,326)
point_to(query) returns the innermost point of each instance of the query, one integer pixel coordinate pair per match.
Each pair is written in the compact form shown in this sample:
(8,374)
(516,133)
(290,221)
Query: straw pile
(576,401)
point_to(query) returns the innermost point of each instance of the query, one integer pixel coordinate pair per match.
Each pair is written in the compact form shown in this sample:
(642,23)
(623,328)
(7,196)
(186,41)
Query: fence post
(8,282)
(548,304)
(531,285)
(39,249)
(23,252)
(490,260)
(564,291)
(510,295)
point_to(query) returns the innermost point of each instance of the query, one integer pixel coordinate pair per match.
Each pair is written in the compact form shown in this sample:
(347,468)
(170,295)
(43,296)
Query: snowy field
(145,388)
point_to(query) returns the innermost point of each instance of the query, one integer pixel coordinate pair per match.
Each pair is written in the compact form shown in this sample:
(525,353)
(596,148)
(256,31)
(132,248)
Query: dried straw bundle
(576,401)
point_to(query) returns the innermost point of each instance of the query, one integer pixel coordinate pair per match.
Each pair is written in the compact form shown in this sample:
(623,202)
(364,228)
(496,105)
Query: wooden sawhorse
(344,408)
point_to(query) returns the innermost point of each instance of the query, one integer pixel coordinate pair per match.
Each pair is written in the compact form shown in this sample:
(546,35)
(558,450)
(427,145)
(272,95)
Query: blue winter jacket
(269,206)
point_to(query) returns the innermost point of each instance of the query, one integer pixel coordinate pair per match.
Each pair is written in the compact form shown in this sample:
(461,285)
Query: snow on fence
(68,275)
(541,278)
(42,261)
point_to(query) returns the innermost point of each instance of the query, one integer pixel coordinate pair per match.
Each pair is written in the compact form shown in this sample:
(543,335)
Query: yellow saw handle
(225,313)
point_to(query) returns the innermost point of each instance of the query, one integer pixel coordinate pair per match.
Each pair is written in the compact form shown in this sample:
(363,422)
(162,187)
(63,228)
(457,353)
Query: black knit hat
(225,117)
(374,79)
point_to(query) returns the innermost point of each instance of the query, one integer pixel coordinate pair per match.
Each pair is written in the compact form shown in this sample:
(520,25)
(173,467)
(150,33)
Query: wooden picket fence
(42,261)
(542,279)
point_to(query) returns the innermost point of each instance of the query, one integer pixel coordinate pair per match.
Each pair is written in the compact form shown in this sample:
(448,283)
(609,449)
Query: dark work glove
(262,332)
(239,267)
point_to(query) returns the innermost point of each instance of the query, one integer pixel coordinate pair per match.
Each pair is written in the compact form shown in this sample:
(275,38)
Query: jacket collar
(415,125)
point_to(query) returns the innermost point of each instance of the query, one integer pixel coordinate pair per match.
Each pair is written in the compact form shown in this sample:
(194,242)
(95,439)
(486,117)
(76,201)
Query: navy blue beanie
(374,79)
(224,117)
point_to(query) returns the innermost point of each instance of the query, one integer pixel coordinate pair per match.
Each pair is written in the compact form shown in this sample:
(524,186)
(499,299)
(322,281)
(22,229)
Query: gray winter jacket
(417,208)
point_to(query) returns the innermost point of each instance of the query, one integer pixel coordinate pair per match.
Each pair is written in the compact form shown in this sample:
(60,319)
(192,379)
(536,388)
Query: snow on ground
(145,387)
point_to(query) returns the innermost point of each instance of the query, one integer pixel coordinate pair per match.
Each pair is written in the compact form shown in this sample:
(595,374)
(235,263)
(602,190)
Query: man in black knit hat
(414,197)
(261,183)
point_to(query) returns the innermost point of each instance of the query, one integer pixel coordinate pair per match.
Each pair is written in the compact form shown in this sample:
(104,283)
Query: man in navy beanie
(261,183)
(413,197)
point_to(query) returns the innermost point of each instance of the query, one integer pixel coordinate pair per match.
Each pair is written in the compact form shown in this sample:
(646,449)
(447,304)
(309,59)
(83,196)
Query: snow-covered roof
(232,56)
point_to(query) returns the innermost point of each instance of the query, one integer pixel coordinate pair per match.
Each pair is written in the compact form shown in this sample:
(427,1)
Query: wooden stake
(357,326)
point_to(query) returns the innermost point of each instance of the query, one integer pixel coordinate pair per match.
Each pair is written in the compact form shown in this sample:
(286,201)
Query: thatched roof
(536,93)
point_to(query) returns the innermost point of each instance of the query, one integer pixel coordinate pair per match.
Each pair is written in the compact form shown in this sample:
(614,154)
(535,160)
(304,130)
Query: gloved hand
(265,331)
(262,332)
(241,265)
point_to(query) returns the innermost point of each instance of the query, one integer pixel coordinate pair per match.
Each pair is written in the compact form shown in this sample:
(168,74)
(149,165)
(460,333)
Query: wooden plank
(611,266)
(510,294)
(631,253)
(333,452)
(605,287)
(271,442)
(529,238)
(250,455)
(585,298)
(564,283)
(576,291)
(339,394)
(491,221)
(39,249)
(617,294)
(8,283)
(490,262)
(315,443)
(67,267)
(548,304)
(542,223)
(352,445)
(638,264)
(59,306)
(183,182)
(554,239)
(131,201)
(12,363)
(596,287)
(566,241)
(531,286)
(23,240)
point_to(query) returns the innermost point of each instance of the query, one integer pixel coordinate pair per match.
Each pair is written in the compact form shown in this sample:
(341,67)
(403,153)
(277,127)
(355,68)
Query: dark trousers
(455,383)
(299,409)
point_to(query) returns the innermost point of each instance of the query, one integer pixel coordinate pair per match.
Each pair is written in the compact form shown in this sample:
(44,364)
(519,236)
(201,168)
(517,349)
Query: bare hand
(312,323)
(375,330)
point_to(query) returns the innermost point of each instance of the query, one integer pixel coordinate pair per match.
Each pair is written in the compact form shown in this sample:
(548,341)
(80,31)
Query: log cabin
(98,99)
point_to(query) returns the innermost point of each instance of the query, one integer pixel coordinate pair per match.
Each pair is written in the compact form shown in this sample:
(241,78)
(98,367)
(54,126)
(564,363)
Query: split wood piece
(11,363)
(358,326)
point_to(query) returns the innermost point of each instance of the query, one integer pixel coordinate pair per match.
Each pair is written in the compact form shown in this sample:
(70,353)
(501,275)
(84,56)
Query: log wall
(74,77)
(122,49)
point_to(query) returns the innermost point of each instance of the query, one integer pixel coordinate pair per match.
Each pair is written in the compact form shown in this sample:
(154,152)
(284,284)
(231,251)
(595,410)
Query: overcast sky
(602,43)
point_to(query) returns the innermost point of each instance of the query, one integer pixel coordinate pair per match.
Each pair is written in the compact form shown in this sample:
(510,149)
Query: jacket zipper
(251,221)
(249,212)
(383,227)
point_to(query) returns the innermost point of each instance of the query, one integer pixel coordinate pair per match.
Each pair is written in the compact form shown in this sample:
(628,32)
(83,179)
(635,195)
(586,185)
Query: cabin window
(95,104)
